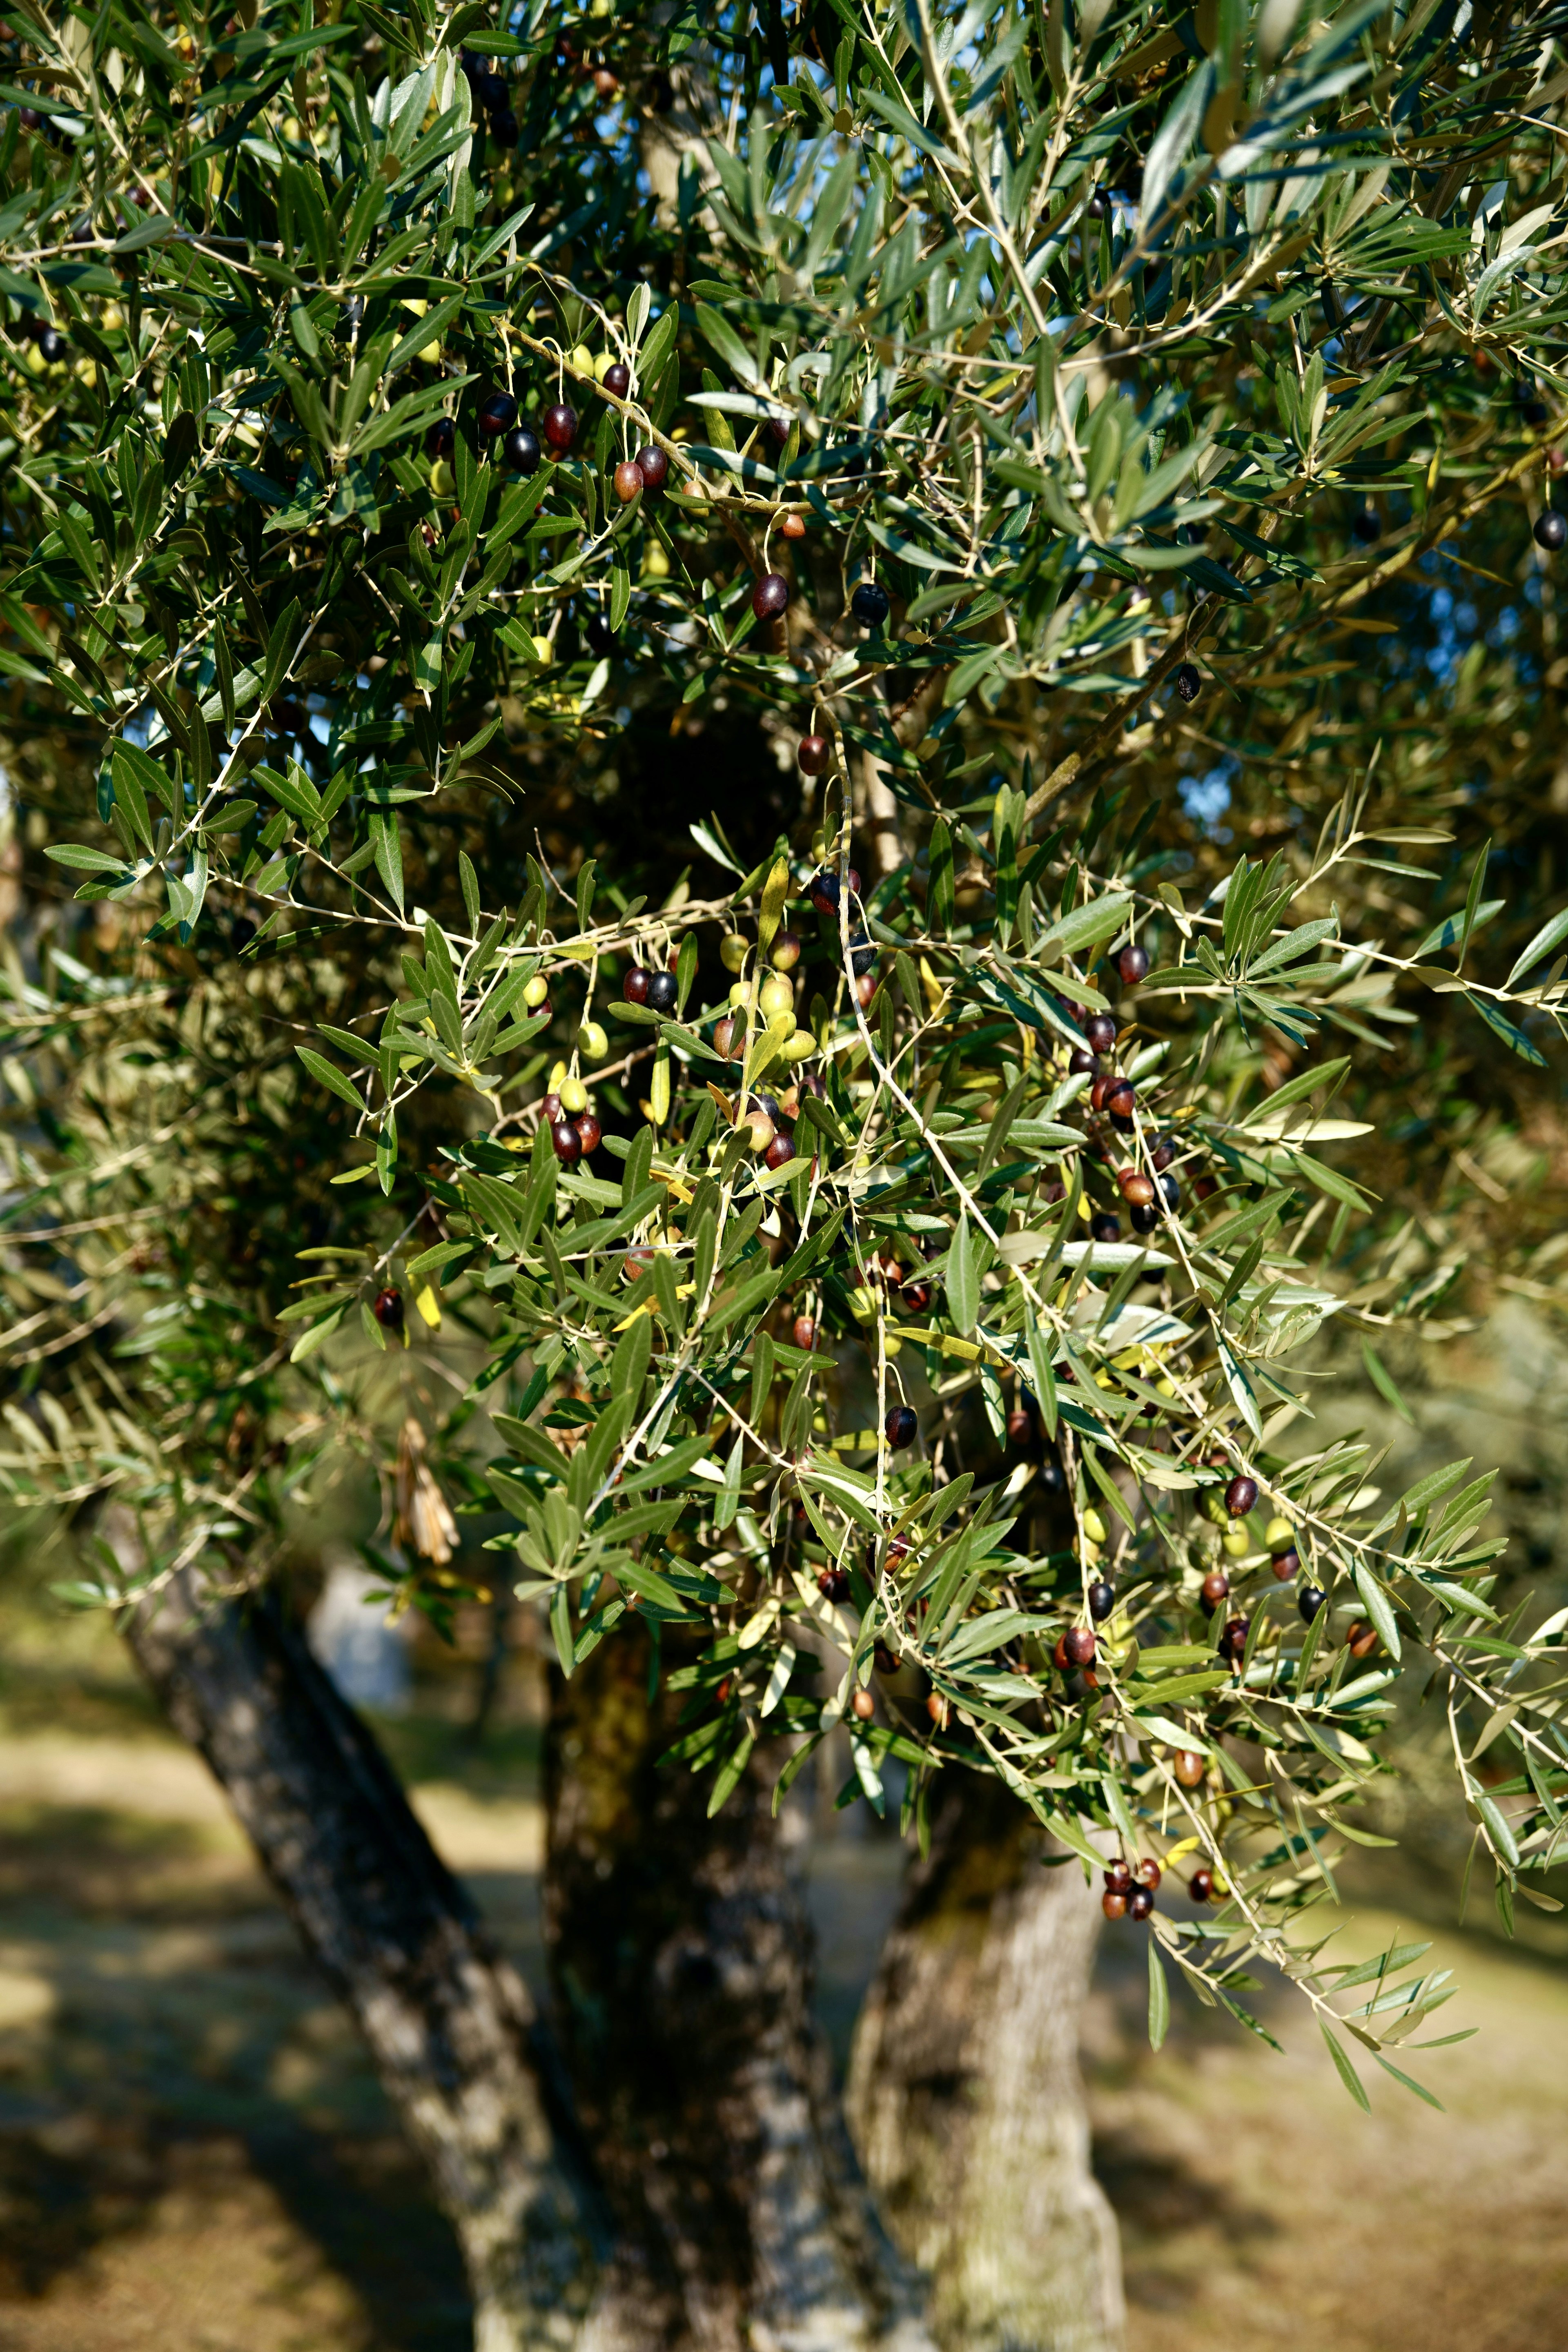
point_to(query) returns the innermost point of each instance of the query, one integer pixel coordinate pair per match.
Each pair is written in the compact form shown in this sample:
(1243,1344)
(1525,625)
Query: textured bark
(681,1959)
(964,2096)
(448,2021)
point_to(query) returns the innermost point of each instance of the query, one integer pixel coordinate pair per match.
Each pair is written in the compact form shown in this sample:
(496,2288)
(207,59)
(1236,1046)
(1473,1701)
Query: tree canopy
(646,635)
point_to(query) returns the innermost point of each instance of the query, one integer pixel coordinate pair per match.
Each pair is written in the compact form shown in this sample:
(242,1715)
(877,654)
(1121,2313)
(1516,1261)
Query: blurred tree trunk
(965,2097)
(702,2197)
(681,1963)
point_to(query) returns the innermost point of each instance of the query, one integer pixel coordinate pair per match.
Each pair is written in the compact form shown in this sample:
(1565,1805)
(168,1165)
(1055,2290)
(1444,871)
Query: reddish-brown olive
(1285,1565)
(780,1152)
(590,1134)
(1241,1496)
(637,1261)
(1134,1186)
(1164,1152)
(1020,1426)
(936,1707)
(1361,1640)
(1233,1641)
(568,1143)
(1199,1885)
(653,467)
(1079,1645)
(1148,1872)
(864,1706)
(1140,1902)
(833,1583)
(770,597)
(1132,963)
(628,480)
(901,1425)
(1120,1100)
(634,988)
(388,1309)
(1100,1032)
(729,1037)
(560,426)
(1189,1767)
(815,754)
(792,525)
(618,379)
(805,1332)
(1113,1903)
(1117,1876)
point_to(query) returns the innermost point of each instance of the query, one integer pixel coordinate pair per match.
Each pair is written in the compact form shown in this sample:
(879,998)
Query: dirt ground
(194,2156)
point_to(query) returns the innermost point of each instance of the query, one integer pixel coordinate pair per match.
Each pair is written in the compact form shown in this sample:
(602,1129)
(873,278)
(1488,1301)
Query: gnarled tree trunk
(681,1962)
(964,2096)
(720,2212)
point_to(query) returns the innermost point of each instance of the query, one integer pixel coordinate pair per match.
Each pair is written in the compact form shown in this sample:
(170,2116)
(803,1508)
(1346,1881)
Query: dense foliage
(440,447)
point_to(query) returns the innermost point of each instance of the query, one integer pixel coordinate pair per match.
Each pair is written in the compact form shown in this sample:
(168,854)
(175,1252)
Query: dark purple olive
(560,426)
(1241,1496)
(653,467)
(504,128)
(1101,1031)
(1551,531)
(1189,685)
(1079,1645)
(442,439)
(1105,1227)
(662,992)
(870,603)
(618,379)
(770,597)
(1140,1902)
(1101,1601)
(521,450)
(1233,1641)
(498,415)
(568,1143)
(388,1309)
(1132,963)
(902,1425)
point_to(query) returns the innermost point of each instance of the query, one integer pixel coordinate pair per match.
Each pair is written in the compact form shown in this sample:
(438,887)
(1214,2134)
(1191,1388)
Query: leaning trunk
(448,2021)
(964,2095)
(680,1957)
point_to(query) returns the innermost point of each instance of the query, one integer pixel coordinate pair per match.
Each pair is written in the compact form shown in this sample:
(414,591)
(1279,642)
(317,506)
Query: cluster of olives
(1130,1888)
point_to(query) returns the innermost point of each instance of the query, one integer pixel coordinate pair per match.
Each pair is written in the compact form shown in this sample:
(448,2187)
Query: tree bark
(681,1962)
(448,2021)
(702,2197)
(964,2096)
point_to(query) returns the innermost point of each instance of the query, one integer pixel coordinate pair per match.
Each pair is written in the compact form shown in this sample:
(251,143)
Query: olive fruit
(1113,1903)
(1216,1587)
(568,1143)
(833,1585)
(733,952)
(53,347)
(870,603)
(1134,1186)
(1082,1063)
(1164,1152)
(1117,1876)
(1199,1885)
(590,1134)
(1551,530)
(863,1705)
(1132,963)
(661,992)
(1189,1767)
(1122,1100)
(488,88)
(604,83)
(1170,1192)
(388,1309)
(1145,1217)
(504,128)
(1140,1902)
(1079,1645)
(1098,205)
(635,987)
(653,467)
(823,892)
(792,525)
(780,1151)
(499,413)
(1309,1600)
(1101,1031)
(729,1037)
(1188,683)
(618,379)
(1101,1601)
(815,754)
(441,439)
(1233,1641)
(628,480)
(1241,1496)
(601,639)
(1364,525)
(901,1425)
(1360,1638)
(1105,1227)
(535,992)
(560,426)
(573,1096)
(803,1332)
(521,450)
(784,954)
(770,597)
(1020,1426)
(1148,1874)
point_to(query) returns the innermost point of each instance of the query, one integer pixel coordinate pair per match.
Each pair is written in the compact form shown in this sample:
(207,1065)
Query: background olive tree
(939,622)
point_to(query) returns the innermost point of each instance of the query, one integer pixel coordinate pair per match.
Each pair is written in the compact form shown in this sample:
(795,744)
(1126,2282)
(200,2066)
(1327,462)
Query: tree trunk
(681,1960)
(964,2096)
(723,2210)
(448,2021)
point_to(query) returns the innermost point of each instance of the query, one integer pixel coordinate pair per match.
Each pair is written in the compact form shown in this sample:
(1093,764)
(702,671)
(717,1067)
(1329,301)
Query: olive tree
(862,1239)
